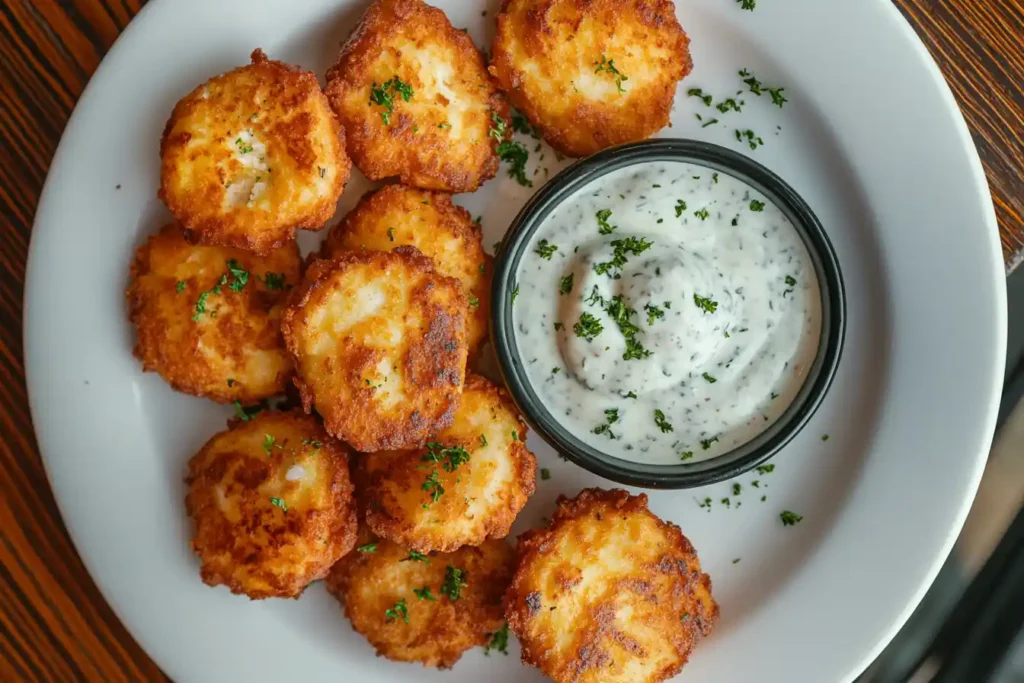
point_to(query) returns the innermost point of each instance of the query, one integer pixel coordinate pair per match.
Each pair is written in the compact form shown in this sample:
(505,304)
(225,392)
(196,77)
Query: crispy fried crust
(244,540)
(546,55)
(253,155)
(440,630)
(233,351)
(608,593)
(481,497)
(396,215)
(439,139)
(379,342)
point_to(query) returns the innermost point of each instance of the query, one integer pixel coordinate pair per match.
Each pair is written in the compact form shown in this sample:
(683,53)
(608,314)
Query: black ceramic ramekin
(730,463)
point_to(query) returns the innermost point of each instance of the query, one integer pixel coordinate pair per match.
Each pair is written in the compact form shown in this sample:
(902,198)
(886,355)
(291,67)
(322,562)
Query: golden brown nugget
(272,504)
(608,593)
(468,484)
(253,155)
(208,319)
(397,215)
(416,100)
(379,342)
(591,73)
(420,608)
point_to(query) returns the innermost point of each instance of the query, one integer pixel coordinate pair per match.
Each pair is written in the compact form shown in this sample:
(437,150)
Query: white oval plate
(873,140)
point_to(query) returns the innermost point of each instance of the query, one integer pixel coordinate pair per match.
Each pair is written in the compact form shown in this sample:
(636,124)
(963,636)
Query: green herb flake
(702,214)
(180,286)
(756,206)
(416,557)
(704,303)
(391,234)
(611,416)
(515,435)
(483,440)
(661,422)
(699,94)
(653,313)
(444,126)
(824,437)
(240,275)
(686,455)
(747,4)
(432,486)
(790,518)
(398,611)
(454,582)
(603,227)
(609,65)
(273,281)
(245,414)
(565,284)
(545,473)
(449,457)
(790,280)
(620,248)
(515,293)
(497,641)
(680,207)
(368,548)
(765,469)
(708,378)
(268,443)
(384,96)
(714,177)
(736,488)
(424,594)
(278,502)
(705,444)
(588,327)
(545,249)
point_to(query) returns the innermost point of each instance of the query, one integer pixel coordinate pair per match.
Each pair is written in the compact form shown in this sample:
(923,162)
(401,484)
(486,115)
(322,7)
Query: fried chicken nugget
(207,319)
(379,342)
(396,215)
(416,100)
(417,608)
(253,155)
(608,593)
(591,73)
(272,504)
(468,484)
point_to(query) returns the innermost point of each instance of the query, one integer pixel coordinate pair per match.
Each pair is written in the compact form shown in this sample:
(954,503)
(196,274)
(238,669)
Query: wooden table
(54,624)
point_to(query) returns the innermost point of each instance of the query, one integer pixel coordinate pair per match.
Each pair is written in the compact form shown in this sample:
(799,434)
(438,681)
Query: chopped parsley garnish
(702,214)
(180,286)
(545,249)
(231,381)
(609,65)
(709,122)
(279,503)
(509,150)
(399,610)
(515,435)
(824,437)
(629,245)
(706,304)
(391,234)
(384,96)
(752,138)
(273,281)
(747,4)
(498,640)
(603,227)
(556,370)
(621,314)
(686,455)
(322,170)
(706,503)
(653,313)
(520,124)
(709,378)
(474,302)
(500,129)
(432,486)
(558,326)
(240,275)
(244,413)
(790,518)
(765,469)
(444,126)
(483,440)
(659,419)
(754,84)
(680,207)
(736,488)
(565,284)
(200,306)
(790,280)
(611,416)
(268,443)
(714,177)
(515,293)
(630,395)
(706,443)
(698,93)
(450,458)
(756,206)
(545,473)
(728,104)
(416,557)
(368,548)
(588,327)
(454,582)
(424,593)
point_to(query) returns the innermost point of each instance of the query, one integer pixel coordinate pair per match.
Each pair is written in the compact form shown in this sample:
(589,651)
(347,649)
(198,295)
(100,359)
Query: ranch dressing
(666,312)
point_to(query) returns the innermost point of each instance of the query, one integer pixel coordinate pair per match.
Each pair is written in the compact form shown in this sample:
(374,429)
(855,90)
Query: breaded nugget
(396,215)
(608,593)
(208,319)
(417,608)
(253,155)
(415,98)
(379,342)
(591,73)
(272,504)
(469,483)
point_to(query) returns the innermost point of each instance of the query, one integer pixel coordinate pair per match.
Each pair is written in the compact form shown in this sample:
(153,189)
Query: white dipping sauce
(689,327)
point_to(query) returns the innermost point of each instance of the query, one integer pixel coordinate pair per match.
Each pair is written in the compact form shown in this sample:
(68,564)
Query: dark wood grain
(54,624)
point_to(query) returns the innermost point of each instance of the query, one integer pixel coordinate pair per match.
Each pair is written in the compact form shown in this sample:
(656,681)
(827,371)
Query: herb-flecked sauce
(666,312)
